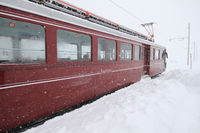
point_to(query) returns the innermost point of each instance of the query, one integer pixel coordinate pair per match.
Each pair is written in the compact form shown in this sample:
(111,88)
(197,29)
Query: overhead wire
(126,11)
(147,28)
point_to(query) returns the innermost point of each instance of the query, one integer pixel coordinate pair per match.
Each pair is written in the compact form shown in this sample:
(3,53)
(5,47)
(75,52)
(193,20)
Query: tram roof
(27,6)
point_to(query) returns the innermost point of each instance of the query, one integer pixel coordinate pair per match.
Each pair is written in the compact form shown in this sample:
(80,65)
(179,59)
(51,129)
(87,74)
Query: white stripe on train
(20,84)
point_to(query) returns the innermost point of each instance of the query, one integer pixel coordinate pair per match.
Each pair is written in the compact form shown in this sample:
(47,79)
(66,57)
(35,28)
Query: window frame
(142,50)
(116,48)
(161,51)
(43,27)
(139,50)
(73,31)
(131,51)
(154,54)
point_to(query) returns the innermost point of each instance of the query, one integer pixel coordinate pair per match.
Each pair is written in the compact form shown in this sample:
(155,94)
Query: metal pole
(188,55)
(190,61)
(194,50)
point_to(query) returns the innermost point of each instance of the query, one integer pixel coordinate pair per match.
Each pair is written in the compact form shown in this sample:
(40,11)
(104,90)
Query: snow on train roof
(25,5)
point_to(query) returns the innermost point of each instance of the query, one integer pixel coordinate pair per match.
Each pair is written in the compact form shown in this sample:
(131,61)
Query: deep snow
(169,103)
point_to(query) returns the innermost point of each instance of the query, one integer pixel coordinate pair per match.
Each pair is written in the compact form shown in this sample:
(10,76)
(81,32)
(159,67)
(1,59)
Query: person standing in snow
(164,56)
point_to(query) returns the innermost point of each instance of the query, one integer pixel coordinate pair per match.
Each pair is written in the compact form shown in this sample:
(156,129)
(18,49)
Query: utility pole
(188,55)
(194,51)
(188,49)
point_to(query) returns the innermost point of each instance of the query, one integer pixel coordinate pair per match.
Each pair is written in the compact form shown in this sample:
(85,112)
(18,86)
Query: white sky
(171,16)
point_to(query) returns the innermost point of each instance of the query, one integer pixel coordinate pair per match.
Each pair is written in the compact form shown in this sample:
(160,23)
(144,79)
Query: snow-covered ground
(169,103)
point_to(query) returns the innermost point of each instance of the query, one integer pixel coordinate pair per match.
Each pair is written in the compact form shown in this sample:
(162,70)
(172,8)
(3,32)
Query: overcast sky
(171,16)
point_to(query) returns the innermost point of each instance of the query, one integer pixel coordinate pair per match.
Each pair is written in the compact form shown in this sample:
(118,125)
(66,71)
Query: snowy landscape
(169,103)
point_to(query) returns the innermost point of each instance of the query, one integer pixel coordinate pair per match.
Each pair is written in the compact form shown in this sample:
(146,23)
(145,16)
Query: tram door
(146,59)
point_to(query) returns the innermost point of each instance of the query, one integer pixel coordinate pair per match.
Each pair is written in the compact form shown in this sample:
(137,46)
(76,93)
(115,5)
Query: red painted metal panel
(156,67)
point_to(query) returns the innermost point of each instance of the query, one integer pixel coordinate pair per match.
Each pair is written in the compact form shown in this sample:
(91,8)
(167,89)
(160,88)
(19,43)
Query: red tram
(51,60)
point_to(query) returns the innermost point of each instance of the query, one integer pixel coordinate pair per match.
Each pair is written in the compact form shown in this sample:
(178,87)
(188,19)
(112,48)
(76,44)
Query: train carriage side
(156,65)
(48,65)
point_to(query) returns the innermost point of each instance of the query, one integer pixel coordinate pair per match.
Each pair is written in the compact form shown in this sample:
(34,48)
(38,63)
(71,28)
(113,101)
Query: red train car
(50,60)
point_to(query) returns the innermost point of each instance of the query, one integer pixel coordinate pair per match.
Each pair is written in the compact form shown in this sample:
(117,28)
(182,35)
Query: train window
(151,57)
(156,54)
(72,46)
(21,42)
(106,49)
(142,53)
(154,51)
(137,52)
(125,51)
(161,51)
